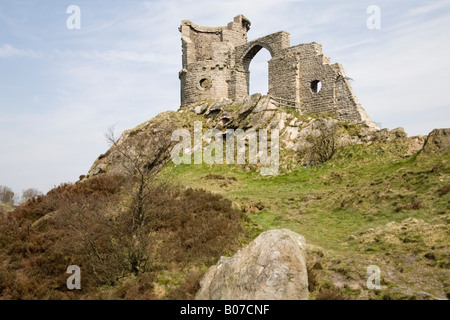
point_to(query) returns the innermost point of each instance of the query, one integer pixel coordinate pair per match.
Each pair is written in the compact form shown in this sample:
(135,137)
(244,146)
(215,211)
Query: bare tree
(138,221)
(117,238)
(29,194)
(6,195)
(136,165)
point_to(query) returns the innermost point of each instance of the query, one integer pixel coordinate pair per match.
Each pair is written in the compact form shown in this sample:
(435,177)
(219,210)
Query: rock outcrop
(298,133)
(148,145)
(438,141)
(271,267)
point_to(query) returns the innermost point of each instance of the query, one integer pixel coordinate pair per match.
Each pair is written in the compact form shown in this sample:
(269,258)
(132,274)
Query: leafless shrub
(188,289)
(323,145)
(444,190)
(331,294)
(29,194)
(413,205)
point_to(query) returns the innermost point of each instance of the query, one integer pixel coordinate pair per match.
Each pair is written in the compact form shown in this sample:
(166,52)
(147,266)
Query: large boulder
(271,267)
(438,141)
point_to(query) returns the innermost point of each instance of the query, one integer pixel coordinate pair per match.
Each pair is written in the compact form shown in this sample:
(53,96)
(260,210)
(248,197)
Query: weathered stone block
(271,267)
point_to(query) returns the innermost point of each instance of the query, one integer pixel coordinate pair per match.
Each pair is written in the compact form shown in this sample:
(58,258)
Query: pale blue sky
(61,89)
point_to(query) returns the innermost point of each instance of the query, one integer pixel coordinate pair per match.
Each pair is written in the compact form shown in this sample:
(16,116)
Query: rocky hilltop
(347,196)
(364,159)
(298,132)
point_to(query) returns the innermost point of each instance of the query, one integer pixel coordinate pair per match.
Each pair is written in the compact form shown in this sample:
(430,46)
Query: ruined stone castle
(216,64)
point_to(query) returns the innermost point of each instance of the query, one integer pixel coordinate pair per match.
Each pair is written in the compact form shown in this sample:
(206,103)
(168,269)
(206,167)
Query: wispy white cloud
(116,56)
(8,51)
(401,78)
(428,8)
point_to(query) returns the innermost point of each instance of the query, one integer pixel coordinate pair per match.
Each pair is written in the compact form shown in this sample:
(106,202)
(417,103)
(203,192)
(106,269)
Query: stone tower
(208,59)
(216,64)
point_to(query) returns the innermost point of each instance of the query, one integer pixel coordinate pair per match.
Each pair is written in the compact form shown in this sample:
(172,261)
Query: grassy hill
(141,227)
(367,205)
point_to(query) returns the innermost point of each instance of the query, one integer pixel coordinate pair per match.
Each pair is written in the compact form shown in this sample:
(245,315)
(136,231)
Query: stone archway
(274,43)
(255,73)
(251,53)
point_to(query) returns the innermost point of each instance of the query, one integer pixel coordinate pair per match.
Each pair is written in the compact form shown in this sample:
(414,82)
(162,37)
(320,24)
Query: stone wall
(216,64)
(207,61)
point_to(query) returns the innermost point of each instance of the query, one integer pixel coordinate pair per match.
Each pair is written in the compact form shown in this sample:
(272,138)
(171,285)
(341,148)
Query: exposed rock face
(273,266)
(438,141)
(152,139)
